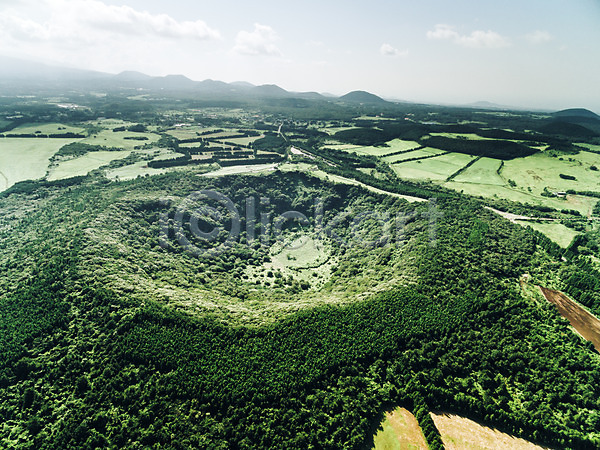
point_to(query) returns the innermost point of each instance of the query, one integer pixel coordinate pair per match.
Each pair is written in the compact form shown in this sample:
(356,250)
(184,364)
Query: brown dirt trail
(584,322)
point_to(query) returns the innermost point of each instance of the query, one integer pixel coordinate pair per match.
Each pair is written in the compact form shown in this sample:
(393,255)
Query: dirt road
(585,323)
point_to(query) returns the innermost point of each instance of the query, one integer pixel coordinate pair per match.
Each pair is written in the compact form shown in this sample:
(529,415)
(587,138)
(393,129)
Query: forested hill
(361,97)
(101,348)
(576,112)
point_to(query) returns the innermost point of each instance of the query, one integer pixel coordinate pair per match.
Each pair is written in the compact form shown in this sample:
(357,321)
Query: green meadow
(557,232)
(541,171)
(46,128)
(84,164)
(396,145)
(109,138)
(484,171)
(428,151)
(26,159)
(436,169)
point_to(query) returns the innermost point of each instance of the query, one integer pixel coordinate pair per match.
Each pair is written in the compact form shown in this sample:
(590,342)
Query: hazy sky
(536,53)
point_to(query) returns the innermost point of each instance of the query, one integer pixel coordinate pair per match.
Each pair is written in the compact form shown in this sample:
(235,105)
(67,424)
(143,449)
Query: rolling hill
(362,97)
(576,112)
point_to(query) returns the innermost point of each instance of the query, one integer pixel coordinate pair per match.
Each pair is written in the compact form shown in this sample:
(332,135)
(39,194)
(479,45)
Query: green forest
(136,311)
(90,360)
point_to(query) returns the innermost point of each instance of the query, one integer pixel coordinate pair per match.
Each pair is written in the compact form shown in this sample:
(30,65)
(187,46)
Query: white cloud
(442,31)
(388,50)
(260,41)
(78,19)
(539,37)
(477,39)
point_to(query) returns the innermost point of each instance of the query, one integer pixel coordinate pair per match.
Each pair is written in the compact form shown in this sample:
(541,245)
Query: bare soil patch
(400,431)
(586,324)
(460,433)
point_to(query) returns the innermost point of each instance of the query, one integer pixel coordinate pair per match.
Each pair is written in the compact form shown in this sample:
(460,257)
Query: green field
(438,168)
(26,159)
(540,170)
(470,136)
(557,232)
(333,130)
(192,144)
(244,141)
(84,164)
(247,169)
(593,147)
(396,145)
(46,128)
(222,134)
(141,169)
(335,145)
(109,138)
(484,171)
(577,202)
(164,153)
(134,170)
(428,151)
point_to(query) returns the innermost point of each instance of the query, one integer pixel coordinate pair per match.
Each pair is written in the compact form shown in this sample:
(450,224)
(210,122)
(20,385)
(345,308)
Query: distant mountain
(270,90)
(131,75)
(486,105)
(499,107)
(311,95)
(576,112)
(361,97)
(243,84)
(18,70)
(173,82)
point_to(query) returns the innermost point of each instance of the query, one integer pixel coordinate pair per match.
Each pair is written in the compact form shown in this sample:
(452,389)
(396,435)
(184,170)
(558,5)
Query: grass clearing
(428,151)
(244,141)
(141,169)
(470,136)
(460,433)
(134,170)
(222,134)
(332,130)
(555,231)
(191,132)
(26,159)
(300,257)
(109,138)
(335,145)
(393,146)
(593,147)
(249,168)
(437,169)
(164,153)
(299,252)
(84,164)
(540,170)
(484,171)
(46,128)
(400,431)
(192,144)
(576,202)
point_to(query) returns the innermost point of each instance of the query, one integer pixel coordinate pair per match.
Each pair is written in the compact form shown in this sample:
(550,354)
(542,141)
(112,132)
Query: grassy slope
(84,164)
(26,159)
